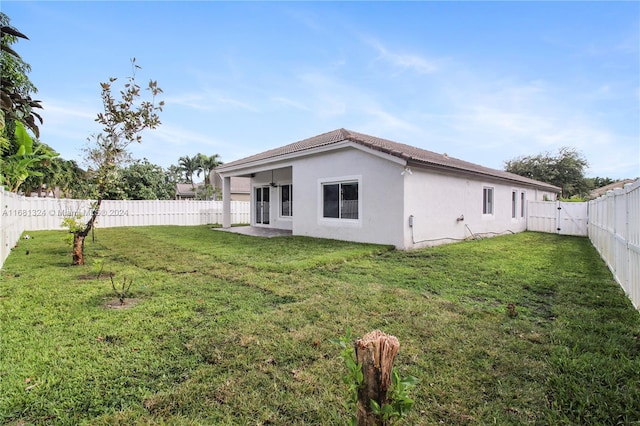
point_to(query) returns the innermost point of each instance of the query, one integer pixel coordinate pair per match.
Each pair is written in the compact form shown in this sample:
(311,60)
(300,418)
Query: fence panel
(614,230)
(542,216)
(11,222)
(114,213)
(21,214)
(557,217)
(573,218)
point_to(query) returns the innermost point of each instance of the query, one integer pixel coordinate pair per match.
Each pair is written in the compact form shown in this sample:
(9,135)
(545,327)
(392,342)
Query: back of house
(351,186)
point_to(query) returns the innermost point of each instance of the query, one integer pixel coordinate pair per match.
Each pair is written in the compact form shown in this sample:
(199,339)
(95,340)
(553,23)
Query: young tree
(565,170)
(123,121)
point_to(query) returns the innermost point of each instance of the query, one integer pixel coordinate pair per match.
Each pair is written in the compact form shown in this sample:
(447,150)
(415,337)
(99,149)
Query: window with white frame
(514,204)
(286,200)
(523,200)
(340,200)
(487,200)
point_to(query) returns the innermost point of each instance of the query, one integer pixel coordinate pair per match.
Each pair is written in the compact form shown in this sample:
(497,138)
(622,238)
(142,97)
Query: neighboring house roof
(598,192)
(412,155)
(239,185)
(186,189)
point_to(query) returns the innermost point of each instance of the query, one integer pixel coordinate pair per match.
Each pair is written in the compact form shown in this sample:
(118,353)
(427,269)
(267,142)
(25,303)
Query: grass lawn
(230,329)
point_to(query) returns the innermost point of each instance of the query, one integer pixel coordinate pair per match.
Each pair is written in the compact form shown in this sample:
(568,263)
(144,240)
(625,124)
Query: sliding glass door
(262,205)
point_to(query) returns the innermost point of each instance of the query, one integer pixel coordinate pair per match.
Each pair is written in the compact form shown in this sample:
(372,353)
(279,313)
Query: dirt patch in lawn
(125,304)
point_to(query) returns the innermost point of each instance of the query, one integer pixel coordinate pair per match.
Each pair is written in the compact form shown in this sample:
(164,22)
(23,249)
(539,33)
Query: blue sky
(483,82)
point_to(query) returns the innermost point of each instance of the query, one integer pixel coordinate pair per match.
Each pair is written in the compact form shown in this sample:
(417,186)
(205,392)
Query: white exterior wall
(387,198)
(437,200)
(380,193)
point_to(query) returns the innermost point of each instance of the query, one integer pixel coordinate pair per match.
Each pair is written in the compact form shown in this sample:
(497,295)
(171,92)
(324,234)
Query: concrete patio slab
(256,231)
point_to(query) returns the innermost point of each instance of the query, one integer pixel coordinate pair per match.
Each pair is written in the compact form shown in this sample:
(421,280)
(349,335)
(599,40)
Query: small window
(286,201)
(487,200)
(340,200)
(514,204)
(523,199)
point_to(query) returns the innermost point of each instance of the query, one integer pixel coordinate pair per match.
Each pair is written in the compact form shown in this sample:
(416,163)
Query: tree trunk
(376,352)
(78,248)
(79,236)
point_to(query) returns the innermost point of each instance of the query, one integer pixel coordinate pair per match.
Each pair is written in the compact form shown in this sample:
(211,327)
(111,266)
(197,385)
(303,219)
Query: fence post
(375,352)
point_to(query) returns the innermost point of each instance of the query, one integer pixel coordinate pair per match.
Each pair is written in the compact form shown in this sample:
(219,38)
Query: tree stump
(375,352)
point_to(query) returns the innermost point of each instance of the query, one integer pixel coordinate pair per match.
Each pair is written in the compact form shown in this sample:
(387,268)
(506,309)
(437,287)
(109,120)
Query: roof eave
(476,173)
(266,163)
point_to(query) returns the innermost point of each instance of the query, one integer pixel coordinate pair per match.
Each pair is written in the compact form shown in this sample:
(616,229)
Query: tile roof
(186,189)
(413,155)
(599,192)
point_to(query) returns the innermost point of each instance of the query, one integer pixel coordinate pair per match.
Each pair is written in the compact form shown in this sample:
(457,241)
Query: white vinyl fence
(558,217)
(614,230)
(612,223)
(19,214)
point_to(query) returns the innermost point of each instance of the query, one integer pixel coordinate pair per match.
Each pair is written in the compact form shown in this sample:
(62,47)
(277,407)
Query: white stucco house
(350,186)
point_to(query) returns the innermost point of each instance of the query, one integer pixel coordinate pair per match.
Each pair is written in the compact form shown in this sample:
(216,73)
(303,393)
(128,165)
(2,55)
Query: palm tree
(188,165)
(206,164)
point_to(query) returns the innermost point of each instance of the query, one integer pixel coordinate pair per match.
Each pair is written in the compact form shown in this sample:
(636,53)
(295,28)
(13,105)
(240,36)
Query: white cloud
(290,102)
(387,122)
(177,136)
(404,61)
(67,125)
(62,112)
(327,96)
(165,144)
(209,101)
(510,124)
(63,117)
(235,103)
(607,152)
(189,100)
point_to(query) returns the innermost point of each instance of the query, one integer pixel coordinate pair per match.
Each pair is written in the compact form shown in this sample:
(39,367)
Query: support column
(226,202)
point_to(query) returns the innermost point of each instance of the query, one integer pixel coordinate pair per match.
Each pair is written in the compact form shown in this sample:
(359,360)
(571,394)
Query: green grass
(230,329)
